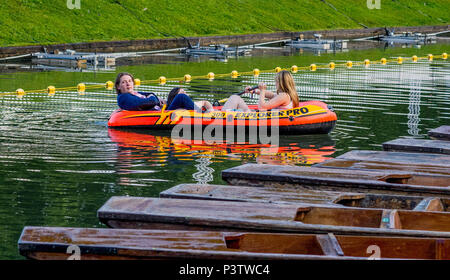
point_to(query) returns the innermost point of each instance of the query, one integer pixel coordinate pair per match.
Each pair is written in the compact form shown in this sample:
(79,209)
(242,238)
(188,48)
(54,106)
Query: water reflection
(60,162)
(205,173)
(159,149)
(414,108)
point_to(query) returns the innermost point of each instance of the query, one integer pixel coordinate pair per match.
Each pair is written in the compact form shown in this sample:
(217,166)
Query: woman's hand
(262,86)
(208,106)
(248,90)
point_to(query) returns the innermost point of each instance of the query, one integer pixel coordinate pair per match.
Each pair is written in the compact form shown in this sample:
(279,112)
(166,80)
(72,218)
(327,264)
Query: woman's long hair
(172,95)
(286,84)
(119,76)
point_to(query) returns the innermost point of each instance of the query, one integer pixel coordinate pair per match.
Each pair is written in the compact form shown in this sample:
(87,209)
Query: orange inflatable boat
(310,117)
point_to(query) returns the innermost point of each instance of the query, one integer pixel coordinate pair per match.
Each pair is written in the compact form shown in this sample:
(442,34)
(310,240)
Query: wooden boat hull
(442,133)
(311,117)
(46,243)
(388,182)
(414,163)
(418,145)
(189,214)
(302,196)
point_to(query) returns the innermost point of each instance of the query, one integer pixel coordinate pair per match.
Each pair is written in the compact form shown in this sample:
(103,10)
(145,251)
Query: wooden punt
(418,145)
(389,182)
(298,195)
(425,159)
(46,243)
(442,132)
(252,194)
(415,163)
(190,214)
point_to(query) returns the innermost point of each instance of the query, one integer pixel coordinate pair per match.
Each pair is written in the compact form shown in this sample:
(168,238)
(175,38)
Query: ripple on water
(60,162)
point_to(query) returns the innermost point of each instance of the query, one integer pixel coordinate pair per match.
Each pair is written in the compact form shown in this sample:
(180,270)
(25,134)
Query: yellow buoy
(256,72)
(444,56)
(277,69)
(187,78)
(312,67)
(137,82)
(331,65)
(210,76)
(430,57)
(20,93)
(383,61)
(234,74)
(414,58)
(294,69)
(349,64)
(399,60)
(81,88)
(366,62)
(109,85)
(162,80)
(51,90)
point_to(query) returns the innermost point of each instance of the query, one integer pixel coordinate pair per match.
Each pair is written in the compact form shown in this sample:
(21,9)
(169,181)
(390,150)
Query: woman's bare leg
(235,102)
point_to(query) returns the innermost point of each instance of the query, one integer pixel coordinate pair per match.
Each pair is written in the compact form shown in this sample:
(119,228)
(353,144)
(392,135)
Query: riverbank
(45,22)
(168,43)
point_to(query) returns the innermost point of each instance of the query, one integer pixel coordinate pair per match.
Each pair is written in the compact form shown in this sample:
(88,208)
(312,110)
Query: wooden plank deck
(252,194)
(424,159)
(302,196)
(190,214)
(415,163)
(417,168)
(440,133)
(51,243)
(333,179)
(418,145)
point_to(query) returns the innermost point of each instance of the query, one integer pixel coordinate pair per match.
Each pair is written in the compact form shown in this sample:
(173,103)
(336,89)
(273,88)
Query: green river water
(60,163)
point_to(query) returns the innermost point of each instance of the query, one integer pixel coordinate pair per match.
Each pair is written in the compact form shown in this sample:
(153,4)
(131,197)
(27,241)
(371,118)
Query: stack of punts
(346,208)
(215,215)
(45,243)
(386,181)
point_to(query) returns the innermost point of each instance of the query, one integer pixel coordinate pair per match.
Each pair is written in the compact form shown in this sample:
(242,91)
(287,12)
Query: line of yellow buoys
(109,85)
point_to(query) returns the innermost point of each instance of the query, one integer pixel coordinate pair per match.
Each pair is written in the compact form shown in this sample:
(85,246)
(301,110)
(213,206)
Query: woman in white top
(286,96)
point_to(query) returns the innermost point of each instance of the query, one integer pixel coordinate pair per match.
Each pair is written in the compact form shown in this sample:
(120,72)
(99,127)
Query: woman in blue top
(129,99)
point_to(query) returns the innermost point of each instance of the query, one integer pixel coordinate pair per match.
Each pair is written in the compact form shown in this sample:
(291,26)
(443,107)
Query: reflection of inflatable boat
(311,117)
(309,150)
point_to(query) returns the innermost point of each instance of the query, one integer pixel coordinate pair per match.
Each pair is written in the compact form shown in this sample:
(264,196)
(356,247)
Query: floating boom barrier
(109,85)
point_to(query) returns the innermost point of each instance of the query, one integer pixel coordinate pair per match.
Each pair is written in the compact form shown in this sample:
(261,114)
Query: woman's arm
(269,94)
(150,94)
(206,104)
(276,101)
(131,102)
